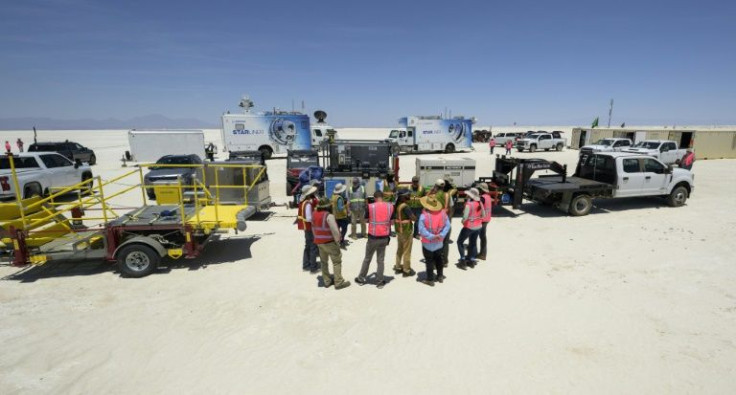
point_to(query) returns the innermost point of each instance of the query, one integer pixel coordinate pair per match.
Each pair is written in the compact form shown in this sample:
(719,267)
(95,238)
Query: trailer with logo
(433,134)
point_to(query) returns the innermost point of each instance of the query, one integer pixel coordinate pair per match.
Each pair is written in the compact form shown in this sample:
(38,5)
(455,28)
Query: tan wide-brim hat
(339,188)
(311,191)
(473,194)
(483,187)
(430,203)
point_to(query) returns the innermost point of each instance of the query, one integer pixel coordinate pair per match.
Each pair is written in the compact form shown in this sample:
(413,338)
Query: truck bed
(553,184)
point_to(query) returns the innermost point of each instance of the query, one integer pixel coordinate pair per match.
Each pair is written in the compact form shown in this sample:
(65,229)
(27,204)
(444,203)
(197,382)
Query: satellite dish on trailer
(320,115)
(246,103)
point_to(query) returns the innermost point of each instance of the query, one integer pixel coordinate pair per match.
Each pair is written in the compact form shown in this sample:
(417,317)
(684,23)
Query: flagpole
(610,111)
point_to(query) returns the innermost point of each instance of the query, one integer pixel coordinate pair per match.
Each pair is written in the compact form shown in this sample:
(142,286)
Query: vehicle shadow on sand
(219,252)
(600,206)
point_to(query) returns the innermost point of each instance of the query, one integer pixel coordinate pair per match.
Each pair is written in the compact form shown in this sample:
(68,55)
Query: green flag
(623,125)
(595,123)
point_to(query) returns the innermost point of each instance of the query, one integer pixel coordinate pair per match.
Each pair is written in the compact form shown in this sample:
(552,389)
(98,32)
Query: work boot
(440,279)
(428,282)
(410,273)
(354,236)
(381,284)
(482,257)
(342,285)
(360,280)
(398,269)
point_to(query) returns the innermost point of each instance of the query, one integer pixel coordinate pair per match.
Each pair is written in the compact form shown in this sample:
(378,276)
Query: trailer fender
(143,240)
(564,203)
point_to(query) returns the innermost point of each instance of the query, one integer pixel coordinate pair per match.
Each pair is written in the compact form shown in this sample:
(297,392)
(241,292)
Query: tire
(267,152)
(580,205)
(31,190)
(532,148)
(450,148)
(559,147)
(520,149)
(546,149)
(92,160)
(137,260)
(677,197)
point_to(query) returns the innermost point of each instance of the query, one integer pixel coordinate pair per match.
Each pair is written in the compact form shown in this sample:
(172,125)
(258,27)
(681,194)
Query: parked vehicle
(502,138)
(320,132)
(296,162)
(664,150)
(73,151)
(597,176)
(150,145)
(606,145)
(168,174)
(433,134)
(39,173)
(545,141)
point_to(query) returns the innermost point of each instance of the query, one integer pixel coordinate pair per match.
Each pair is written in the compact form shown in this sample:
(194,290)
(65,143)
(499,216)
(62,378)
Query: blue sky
(369,63)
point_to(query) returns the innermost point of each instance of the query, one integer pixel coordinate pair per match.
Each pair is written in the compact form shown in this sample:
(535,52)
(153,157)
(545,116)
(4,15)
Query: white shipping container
(150,145)
(461,171)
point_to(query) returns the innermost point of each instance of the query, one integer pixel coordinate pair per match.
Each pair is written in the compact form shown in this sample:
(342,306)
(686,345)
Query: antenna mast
(610,112)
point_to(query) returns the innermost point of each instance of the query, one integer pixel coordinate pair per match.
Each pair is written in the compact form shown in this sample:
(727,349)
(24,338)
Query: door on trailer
(640,135)
(583,138)
(631,178)
(686,139)
(655,177)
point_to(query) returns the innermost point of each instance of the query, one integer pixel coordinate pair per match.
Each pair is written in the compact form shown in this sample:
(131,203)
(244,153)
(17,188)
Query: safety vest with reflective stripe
(415,195)
(301,219)
(379,216)
(339,214)
(403,225)
(688,159)
(487,202)
(320,228)
(388,191)
(433,222)
(357,199)
(475,215)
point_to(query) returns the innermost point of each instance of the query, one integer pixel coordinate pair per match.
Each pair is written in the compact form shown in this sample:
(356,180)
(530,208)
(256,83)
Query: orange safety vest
(688,159)
(403,225)
(433,222)
(301,219)
(487,203)
(474,217)
(379,215)
(321,229)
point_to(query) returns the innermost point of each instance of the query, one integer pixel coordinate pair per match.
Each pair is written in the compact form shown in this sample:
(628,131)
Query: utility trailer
(369,160)
(150,145)
(54,228)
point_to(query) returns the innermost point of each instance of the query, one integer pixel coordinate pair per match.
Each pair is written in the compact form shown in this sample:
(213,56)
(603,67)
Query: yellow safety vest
(342,213)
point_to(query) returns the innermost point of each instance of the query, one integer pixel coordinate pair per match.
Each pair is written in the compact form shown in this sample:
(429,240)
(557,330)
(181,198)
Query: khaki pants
(331,250)
(378,247)
(355,216)
(403,252)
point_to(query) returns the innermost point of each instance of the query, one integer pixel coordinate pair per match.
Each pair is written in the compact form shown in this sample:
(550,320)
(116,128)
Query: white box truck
(433,133)
(150,145)
(272,132)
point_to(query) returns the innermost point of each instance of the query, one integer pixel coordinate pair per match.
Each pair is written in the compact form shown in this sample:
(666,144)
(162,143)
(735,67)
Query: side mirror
(668,170)
(77,163)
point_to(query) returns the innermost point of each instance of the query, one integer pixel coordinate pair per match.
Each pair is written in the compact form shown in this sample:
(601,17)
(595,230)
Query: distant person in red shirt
(509,144)
(19,143)
(7,146)
(492,144)
(687,161)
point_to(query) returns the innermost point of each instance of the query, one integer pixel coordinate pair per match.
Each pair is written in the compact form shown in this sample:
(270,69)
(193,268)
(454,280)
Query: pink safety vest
(379,215)
(688,159)
(474,217)
(487,202)
(433,222)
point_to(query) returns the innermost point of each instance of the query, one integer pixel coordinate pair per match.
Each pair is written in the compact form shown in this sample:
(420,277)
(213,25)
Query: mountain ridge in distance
(151,121)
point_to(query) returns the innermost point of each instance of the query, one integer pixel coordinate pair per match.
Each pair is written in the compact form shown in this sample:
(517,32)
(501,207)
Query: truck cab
(606,145)
(664,150)
(403,137)
(320,132)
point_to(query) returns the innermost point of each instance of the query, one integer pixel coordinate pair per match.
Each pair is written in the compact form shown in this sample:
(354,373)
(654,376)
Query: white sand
(635,298)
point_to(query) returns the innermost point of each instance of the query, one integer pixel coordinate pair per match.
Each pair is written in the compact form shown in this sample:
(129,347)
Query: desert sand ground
(637,297)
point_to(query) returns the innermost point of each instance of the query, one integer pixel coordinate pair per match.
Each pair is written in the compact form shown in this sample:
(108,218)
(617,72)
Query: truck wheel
(677,197)
(532,148)
(267,152)
(546,149)
(450,148)
(92,159)
(31,190)
(520,149)
(137,260)
(559,147)
(580,205)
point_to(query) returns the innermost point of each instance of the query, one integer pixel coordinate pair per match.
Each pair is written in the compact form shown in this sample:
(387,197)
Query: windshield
(605,142)
(647,144)
(172,160)
(394,134)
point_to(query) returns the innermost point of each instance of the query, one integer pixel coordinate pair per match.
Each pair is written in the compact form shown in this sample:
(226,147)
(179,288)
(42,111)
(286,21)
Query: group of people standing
(18,143)
(414,212)
(508,145)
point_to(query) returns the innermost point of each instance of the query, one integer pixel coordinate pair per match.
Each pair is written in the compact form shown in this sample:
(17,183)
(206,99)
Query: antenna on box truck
(246,103)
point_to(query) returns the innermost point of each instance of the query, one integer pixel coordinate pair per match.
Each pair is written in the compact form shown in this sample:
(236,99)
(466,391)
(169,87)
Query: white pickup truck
(607,145)
(545,141)
(664,150)
(40,172)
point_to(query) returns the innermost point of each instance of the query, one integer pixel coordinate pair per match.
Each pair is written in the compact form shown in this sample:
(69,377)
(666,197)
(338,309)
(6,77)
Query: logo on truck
(248,131)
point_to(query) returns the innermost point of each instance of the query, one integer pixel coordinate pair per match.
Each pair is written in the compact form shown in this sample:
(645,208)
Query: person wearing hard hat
(443,192)
(340,210)
(357,208)
(404,223)
(472,223)
(304,222)
(326,237)
(379,228)
(416,192)
(434,228)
